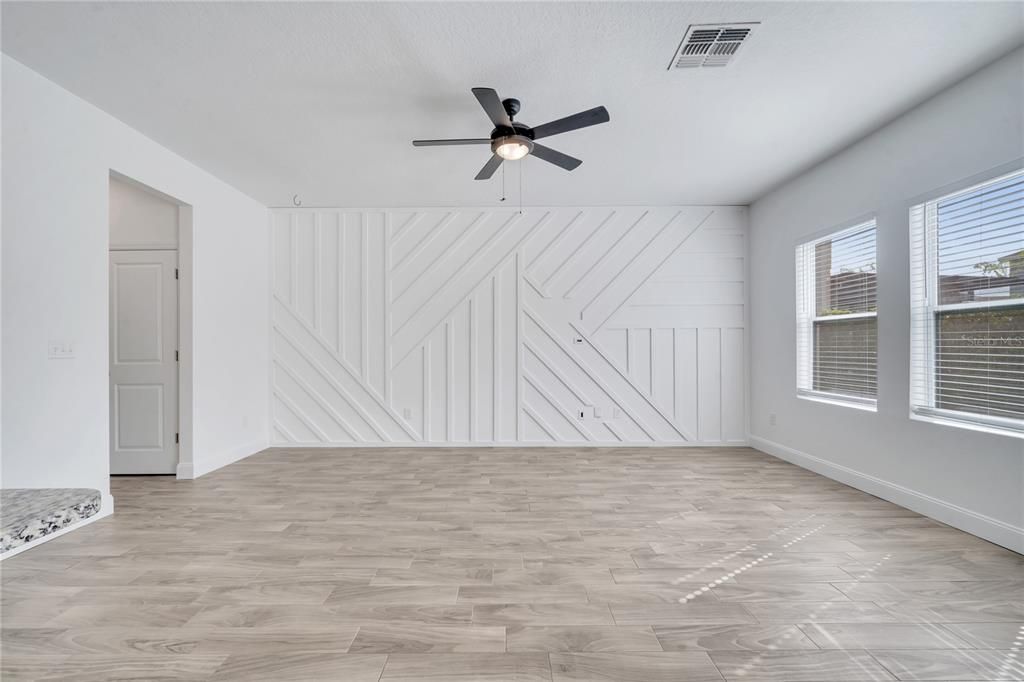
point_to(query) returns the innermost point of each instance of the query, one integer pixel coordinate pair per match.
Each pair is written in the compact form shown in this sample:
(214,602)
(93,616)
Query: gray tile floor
(511,564)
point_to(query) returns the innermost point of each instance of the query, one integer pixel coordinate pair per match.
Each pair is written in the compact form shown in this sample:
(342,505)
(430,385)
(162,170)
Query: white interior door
(143,362)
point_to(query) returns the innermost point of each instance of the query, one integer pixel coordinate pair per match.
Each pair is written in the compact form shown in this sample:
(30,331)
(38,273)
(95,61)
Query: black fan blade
(445,143)
(491,103)
(558,158)
(590,117)
(488,170)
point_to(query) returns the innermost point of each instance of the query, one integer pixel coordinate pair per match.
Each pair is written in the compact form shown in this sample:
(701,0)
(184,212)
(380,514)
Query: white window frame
(807,316)
(925,308)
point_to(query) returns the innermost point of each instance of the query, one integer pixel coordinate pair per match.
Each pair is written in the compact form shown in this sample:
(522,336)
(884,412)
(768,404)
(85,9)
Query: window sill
(863,404)
(946,419)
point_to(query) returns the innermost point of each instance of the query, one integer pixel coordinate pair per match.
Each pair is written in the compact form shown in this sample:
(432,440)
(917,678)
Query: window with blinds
(967,292)
(837,325)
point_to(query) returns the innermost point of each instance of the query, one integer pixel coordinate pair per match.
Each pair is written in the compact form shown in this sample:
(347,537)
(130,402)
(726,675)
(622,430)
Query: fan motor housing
(512,106)
(516,129)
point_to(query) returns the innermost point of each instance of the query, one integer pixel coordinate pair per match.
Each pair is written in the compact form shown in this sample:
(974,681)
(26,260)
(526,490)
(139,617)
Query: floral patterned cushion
(30,513)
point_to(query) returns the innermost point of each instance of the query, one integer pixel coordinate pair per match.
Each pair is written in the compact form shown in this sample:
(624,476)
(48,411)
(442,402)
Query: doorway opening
(150,327)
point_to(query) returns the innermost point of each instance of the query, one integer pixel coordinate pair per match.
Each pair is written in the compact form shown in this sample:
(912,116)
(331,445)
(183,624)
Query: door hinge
(176,356)
(176,438)
(175,273)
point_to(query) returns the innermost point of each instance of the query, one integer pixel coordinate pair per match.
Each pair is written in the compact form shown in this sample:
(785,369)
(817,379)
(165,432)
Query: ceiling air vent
(710,45)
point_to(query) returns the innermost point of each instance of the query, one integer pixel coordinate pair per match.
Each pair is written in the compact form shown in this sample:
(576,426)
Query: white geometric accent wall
(488,325)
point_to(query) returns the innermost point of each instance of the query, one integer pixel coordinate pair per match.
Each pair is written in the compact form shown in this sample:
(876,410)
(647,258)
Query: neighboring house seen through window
(967,291)
(837,325)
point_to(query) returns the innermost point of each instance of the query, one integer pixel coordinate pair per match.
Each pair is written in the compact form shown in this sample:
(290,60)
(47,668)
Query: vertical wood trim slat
(364,299)
(519,344)
(630,350)
(388,238)
(449,379)
(342,233)
(317,255)
(675,376)
(495,318)
(293,259)
(472,369)
(697,382)
(721,382)
(426,390)
(651,343)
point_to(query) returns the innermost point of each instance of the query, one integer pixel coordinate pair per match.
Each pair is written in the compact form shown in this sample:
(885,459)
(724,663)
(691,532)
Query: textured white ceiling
(323,99)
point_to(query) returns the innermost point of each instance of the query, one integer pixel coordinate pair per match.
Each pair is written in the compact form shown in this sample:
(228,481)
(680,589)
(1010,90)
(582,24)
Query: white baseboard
(517,444)
(1001,533)
(106,509)
(184,471)
(229,457)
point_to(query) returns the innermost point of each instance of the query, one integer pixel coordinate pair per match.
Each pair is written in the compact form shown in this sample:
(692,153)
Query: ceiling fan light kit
(512,147)
(512,141)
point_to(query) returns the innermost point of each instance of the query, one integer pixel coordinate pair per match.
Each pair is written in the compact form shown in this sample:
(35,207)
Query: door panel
(143,363)
(140,417)
(138,303)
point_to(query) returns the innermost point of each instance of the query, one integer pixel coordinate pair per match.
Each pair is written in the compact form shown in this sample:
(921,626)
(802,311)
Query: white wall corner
(225,458)
(993,530)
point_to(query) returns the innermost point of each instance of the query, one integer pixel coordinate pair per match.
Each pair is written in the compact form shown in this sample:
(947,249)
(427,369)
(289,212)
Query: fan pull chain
(520,164)
(503,182)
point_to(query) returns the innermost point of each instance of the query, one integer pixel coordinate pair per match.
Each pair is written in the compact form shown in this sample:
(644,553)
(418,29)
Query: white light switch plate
(60,350)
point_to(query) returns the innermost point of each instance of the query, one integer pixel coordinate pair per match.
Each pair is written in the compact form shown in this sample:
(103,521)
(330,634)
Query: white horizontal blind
(837,332)
(804,316)
(967,293)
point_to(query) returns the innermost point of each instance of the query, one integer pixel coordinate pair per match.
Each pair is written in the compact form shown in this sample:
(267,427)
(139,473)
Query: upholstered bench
(27,514)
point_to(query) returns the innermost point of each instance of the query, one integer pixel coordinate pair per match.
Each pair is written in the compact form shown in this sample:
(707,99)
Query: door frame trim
(185,468)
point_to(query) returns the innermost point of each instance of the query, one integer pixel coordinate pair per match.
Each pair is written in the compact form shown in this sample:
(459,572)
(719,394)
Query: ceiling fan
(511,140)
